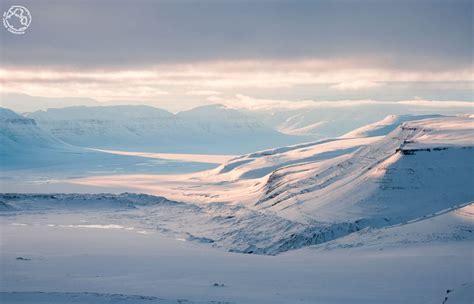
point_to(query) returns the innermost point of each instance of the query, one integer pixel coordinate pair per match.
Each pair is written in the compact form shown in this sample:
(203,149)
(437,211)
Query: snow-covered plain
(381,214)
(82,251)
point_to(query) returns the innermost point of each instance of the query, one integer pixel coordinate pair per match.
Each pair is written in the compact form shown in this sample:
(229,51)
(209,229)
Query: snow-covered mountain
(324,122)
(385,126)
(333,120)
(215,129)
(19,134)
(323,178)
(26,145)
(102,126)
(285,198)
(206,129)
(409,211)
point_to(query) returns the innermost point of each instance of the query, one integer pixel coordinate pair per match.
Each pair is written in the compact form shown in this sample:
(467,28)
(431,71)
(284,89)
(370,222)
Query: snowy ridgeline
(209,129)
(26,145)
(273,201)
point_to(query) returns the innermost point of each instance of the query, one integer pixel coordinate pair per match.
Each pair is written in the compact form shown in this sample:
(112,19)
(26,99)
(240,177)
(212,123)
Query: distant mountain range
(211,129)
(19,134)
(206,129)
(24,144)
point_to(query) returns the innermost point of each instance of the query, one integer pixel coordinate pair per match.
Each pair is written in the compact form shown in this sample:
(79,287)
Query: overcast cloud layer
(162,52)
(407,34)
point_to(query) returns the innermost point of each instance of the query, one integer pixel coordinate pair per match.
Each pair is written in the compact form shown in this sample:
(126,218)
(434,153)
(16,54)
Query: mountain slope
(424,162)
(385,126)
(315,192)
(334,119)
(19,134)
(421,168)
(26,145)
(208,129)
(102,126)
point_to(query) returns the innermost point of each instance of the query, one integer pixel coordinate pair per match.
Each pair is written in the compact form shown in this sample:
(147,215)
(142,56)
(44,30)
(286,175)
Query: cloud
(246,102)
(439,104)
(235,30)
(251,103)
(214,78)
(356,85)
(203,93)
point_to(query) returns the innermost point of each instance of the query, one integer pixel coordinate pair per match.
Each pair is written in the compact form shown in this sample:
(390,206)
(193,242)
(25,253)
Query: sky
(180,54)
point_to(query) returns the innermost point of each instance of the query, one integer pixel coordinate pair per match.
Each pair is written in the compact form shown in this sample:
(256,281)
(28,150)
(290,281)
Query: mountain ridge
(207,129)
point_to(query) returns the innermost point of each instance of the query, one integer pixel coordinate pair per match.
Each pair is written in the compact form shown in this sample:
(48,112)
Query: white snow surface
(276,200)
(385,126)
(65,254)
(30,154)
(207,129)
(18,132)
(386,216)
(427,161)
